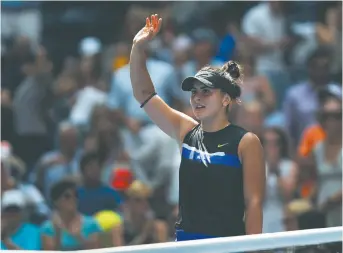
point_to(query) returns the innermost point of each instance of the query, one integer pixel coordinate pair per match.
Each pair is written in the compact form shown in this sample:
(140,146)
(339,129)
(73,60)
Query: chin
(200,117)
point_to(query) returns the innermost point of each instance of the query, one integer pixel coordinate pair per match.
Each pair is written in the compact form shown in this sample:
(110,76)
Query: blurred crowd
(82,166)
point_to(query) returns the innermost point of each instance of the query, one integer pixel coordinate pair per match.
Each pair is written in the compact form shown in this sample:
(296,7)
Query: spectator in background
(122,101)
(93,195)
(181,49)
(251,116)
(315,133)
(204,51)
(265,26)
(65,87)
(329,34)
(30,108)
(68,229)
(300,214)
(108,144)
(282,175)
(300,112)
(7,127)
(21,18)
(255,87)
(15,58)
(12,172)
(16,234)
(55,165)
(92,92)
(155,157)
(327,155)
(138,217)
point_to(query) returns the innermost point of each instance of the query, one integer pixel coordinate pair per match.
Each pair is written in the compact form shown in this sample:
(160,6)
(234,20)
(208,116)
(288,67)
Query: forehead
(199,85)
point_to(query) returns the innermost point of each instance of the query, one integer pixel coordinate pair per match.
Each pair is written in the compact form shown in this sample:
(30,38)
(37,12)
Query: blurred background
(83,167)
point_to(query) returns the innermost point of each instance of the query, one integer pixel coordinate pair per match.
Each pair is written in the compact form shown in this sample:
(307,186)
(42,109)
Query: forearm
(253,219)
(10,245)
(140,79)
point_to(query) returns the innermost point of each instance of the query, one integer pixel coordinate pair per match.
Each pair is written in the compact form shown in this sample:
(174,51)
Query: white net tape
(234,244)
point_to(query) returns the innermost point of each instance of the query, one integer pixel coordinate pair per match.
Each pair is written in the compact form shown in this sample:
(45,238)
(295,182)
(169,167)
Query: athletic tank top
(211,200)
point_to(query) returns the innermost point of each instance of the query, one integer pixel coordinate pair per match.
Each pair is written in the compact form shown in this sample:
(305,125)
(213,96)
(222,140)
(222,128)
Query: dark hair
(284,145)
(231,71)
(60,187)
(320,52)
(88,158)
(311,220)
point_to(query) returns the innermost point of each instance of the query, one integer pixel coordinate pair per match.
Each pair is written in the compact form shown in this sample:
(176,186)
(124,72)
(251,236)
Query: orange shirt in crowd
(311,136)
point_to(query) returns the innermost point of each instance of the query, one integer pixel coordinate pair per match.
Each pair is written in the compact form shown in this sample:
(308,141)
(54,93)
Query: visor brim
(188,83)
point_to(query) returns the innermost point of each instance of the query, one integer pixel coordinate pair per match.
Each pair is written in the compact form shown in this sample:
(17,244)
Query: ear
(226,100)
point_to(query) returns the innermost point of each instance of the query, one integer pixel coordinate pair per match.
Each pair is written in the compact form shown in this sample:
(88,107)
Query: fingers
(159,25)
(154,22)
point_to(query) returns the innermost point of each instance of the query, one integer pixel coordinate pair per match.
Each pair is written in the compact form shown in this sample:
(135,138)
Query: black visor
(208,78)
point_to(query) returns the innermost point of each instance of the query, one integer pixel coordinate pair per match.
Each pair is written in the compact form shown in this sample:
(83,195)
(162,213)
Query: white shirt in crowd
(260,22)
(86,100)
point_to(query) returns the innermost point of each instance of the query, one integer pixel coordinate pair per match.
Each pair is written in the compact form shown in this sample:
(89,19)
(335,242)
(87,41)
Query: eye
(206,91)
(193,92)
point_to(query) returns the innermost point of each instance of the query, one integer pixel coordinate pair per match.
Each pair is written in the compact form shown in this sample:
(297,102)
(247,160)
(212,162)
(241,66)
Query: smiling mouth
(199,107)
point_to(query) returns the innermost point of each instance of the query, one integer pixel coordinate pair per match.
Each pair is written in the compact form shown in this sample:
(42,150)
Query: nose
(196,97)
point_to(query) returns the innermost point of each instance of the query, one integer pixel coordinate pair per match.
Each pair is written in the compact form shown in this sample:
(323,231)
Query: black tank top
(211,200)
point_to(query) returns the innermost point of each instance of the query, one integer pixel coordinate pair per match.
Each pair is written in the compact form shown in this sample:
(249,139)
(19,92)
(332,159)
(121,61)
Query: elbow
(254,203)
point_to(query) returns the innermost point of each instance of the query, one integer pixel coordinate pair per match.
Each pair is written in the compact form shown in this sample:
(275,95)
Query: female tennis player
(222,171)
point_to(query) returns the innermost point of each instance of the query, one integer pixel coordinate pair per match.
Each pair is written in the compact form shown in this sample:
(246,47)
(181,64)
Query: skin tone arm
(172,122)
(251,155)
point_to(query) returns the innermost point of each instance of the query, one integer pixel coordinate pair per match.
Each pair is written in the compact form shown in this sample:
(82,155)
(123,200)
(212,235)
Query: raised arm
(170,121)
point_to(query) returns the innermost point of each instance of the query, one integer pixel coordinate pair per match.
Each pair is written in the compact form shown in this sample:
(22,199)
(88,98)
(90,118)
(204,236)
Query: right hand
(149,31)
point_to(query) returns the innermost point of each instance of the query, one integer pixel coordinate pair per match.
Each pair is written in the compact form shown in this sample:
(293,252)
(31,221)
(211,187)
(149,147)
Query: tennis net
(326,240)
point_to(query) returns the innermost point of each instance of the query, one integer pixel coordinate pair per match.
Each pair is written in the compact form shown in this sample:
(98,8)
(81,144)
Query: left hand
(149,31)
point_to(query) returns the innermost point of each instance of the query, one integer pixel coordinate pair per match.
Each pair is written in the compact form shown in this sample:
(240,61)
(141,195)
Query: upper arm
(254,173)
(172,122)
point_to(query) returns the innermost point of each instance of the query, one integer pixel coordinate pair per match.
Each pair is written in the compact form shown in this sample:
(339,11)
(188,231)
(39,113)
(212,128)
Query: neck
(67,217)
(92,183)
(215,125)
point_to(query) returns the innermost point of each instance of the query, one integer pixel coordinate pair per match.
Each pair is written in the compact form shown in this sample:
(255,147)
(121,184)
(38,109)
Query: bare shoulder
(251,144)
(187,125)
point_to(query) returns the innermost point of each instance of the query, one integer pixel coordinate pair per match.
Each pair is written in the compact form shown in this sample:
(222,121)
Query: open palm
(149,31)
